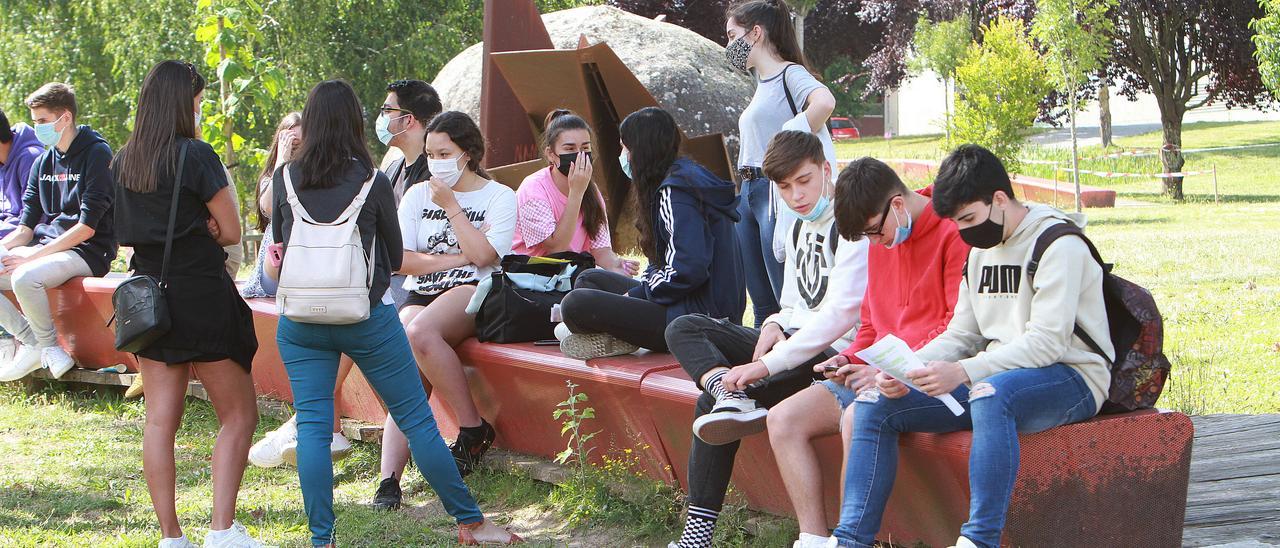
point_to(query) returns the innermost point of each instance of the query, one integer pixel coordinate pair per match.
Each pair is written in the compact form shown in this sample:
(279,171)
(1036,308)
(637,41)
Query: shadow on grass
(43,505)
(1127,221)
(1201,199)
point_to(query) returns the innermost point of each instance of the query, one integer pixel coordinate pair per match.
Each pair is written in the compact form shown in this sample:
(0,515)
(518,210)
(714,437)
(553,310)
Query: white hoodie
(1002,323)
(822,289)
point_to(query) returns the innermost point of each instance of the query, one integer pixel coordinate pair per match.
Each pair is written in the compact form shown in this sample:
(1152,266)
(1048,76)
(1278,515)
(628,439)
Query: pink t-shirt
(539,206)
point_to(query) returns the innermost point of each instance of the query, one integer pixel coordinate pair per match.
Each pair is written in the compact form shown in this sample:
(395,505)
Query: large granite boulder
(686,73)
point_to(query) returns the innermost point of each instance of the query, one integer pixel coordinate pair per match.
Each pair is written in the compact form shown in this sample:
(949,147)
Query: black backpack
(1140,368)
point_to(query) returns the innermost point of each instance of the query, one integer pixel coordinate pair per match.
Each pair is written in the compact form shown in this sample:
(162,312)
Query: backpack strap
(834,238)
(173,210)
(300,211)
(795,234)
(1043,241)
(791,102)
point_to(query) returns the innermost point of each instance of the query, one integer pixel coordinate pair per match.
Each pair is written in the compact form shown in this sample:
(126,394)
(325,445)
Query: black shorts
(419,299)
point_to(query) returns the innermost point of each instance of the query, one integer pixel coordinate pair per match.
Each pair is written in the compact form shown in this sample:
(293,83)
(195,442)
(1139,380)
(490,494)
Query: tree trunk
(1171,154)
(229,154)
(1104,114)
(946,106)
(800,13)
(1075,153)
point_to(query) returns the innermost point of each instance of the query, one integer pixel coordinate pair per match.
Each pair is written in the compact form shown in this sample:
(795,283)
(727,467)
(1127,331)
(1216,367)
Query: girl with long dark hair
(456,229)
(211,326)
(685,217)
(559,207)
(762,43)
(332,169)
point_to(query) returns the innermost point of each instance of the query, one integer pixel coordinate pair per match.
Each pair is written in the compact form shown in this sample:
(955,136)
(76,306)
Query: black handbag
(141,312)
(511,314)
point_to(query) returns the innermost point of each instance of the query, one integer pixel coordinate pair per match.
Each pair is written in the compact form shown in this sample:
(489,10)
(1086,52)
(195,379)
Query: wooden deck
(1234,496)
(1233,499)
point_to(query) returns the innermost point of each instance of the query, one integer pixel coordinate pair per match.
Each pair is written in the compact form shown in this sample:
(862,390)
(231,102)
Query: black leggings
(599,304)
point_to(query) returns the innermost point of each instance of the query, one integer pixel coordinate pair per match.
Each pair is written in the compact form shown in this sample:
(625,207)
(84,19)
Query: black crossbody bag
(141,312)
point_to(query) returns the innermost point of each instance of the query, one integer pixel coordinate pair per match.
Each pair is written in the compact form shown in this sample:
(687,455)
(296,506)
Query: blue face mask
(47,135)
(819,208)
(383,128)
(903,232)
(626,164)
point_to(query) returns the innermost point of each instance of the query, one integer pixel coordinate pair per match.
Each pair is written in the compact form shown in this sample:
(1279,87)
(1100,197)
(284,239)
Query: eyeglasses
(879,229)
(389,110)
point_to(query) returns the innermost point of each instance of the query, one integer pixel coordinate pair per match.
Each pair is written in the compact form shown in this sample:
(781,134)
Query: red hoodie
(912,288)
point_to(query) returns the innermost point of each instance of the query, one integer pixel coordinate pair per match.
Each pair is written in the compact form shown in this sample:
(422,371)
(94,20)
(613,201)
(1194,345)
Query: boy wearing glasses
(914,269)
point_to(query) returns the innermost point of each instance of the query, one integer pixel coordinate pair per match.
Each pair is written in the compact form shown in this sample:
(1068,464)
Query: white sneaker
(268,452)
(832,542)
(562,332)
(590,346)
(8,347)
(964,543)
(730,421)
(180,542)
(807,540)
(235,537)
(339,448)
(25,360)
(56,360)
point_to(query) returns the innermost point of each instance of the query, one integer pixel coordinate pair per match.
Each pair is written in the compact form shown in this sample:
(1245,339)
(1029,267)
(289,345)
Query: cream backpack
(326,275)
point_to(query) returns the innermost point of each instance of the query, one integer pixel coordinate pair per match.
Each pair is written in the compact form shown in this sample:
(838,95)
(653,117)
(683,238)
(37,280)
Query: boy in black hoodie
(65,229)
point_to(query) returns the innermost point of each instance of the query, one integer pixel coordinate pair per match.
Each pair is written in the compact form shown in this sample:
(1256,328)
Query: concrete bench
(1116,480)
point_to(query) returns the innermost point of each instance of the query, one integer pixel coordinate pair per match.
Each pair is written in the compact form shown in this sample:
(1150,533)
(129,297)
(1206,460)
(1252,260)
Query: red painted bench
(1119,480)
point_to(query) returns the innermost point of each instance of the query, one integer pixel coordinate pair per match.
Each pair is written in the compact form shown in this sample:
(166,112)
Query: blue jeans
(379,346)
(755,241)
(998,408)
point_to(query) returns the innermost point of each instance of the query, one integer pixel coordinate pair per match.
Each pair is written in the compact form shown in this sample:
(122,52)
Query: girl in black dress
(212,327)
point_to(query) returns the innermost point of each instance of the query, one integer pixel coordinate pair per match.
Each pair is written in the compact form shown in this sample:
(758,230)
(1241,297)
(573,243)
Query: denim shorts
(844,395)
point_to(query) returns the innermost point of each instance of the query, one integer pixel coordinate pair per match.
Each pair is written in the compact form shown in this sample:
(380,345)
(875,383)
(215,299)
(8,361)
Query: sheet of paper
(894,357)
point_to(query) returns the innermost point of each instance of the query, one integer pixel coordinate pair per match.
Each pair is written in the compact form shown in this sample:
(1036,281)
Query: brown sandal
(467,538)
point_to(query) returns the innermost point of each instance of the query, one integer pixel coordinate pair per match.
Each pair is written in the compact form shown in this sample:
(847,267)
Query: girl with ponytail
(762,43)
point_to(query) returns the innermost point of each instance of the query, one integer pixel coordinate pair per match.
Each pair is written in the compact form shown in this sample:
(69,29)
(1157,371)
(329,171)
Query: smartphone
(275,254)
(546,342)
(830,368)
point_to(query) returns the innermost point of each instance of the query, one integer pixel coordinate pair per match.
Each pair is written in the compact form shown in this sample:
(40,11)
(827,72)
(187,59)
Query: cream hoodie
(1001,322)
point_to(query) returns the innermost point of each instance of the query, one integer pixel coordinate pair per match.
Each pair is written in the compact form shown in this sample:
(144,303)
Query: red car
(842,129)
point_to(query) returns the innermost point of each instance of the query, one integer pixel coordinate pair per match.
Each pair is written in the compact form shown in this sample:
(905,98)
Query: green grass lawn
(71,475)
(1214,268)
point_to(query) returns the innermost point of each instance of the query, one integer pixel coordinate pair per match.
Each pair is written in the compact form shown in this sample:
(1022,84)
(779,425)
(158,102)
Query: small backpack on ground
(1140,368)
(326,274)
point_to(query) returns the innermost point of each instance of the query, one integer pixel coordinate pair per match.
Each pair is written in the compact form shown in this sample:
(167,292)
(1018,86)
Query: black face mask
(569,158)
(984,235)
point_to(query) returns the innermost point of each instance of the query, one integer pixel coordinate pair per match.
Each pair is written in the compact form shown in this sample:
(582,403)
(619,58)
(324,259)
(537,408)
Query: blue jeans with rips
(997,410)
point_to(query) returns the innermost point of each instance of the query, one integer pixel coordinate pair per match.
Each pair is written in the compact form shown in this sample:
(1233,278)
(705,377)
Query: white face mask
(447,170)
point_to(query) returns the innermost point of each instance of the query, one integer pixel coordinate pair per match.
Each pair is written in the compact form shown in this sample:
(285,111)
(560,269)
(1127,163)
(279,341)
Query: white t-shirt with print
(425,228)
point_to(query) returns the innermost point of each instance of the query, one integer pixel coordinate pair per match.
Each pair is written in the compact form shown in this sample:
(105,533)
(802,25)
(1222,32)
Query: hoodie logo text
(1000,279)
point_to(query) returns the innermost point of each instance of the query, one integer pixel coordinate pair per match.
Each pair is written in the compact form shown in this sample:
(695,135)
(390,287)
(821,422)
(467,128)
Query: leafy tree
(1267,42)
(1000,83)
(1188,53)
(1074,34)
(940,47)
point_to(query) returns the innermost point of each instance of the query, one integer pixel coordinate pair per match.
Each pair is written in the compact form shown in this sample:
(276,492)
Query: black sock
(698,528)
(475,432)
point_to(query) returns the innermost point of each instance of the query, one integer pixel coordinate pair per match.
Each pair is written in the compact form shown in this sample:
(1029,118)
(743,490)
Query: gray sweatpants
(28,284)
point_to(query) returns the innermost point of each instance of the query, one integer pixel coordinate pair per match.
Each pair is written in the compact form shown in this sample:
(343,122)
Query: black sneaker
(388,495)
(470,448)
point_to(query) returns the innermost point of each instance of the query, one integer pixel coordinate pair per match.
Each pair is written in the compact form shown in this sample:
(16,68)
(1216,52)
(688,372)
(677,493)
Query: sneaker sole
(596,345)
(724,428)
(290,455)
(58,375)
